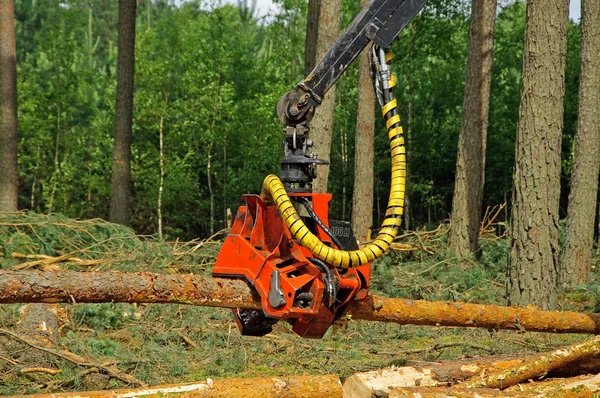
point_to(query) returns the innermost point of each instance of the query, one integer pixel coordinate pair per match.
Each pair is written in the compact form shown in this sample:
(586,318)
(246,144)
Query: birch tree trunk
(533,252)
(470,164)
(576,257)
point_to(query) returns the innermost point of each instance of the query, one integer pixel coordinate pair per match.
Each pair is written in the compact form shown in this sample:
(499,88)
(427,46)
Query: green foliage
(112,246)
(442,276)
(103,316)
(146,340)
(31,233)
(213,75)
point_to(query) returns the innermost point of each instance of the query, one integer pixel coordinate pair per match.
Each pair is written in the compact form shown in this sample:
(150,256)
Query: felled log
(143,287)
(577,387)
(380,382)
(538,366)
(451,392)
(442,374)
(259,387)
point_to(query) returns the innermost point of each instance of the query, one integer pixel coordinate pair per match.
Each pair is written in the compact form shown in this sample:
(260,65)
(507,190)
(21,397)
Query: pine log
(576,387)
(259,387)
(143,287)
(538,366)
(451,392)
(447,373)
(582,386)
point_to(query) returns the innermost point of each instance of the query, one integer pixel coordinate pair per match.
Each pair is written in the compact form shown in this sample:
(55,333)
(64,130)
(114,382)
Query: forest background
(207,78)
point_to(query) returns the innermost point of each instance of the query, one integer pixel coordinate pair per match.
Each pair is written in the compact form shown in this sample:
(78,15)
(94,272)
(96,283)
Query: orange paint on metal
(260,246)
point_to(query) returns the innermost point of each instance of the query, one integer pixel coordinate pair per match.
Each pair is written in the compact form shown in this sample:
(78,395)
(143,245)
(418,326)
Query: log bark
(120,202)
(143,287)
(580,387)
(450,392)
(42,323)
(576,256)
(321,126)
(470,163)
(533,251)
(537,367)
(364,150)
(443,374)
(9,136)
(124,287)
(292,386)
(312,33)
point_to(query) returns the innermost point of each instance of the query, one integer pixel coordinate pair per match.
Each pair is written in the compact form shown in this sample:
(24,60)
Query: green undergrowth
(176,343)
(113,246)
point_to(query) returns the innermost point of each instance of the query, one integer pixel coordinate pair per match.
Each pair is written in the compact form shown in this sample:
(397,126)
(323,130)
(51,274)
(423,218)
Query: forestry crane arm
(380,22)
(305,267)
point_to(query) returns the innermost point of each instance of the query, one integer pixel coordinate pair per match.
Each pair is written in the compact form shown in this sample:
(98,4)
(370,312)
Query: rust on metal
(288,387)
(142,287)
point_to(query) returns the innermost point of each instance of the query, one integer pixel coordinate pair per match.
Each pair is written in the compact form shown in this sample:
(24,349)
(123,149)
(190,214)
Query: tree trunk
(9,139)
(56,173)
(162,175)
(210,190)
(533,252)
(144,287)
(407,194)
(120,203)
(470,164)
(312,33)
(330,18)
(42,322)
(576,257)
(364,149)
(344,149)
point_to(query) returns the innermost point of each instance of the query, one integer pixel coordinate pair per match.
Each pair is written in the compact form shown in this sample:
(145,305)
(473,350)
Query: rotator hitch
(304,266)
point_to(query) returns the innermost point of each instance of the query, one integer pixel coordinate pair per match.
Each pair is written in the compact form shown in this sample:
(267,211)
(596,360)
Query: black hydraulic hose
(318,221)
(331,289)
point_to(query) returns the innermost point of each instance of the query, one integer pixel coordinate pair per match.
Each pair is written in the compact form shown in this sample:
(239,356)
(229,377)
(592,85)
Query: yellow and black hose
(274,190)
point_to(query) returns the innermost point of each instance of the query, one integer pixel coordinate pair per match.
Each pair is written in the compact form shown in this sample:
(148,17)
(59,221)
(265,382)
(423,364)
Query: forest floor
(160,344)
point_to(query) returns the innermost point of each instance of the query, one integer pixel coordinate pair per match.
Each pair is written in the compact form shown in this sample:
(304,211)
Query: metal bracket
(276,295)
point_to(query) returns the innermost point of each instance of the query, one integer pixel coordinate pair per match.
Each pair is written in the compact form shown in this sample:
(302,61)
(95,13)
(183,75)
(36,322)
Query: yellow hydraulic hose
(274,190)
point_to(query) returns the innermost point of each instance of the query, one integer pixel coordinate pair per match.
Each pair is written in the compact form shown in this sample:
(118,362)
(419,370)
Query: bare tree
(312,34)
(330,18)
(120,203)
(362,197)
(576,257)
(470,164)
(533,253)
(9,139)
